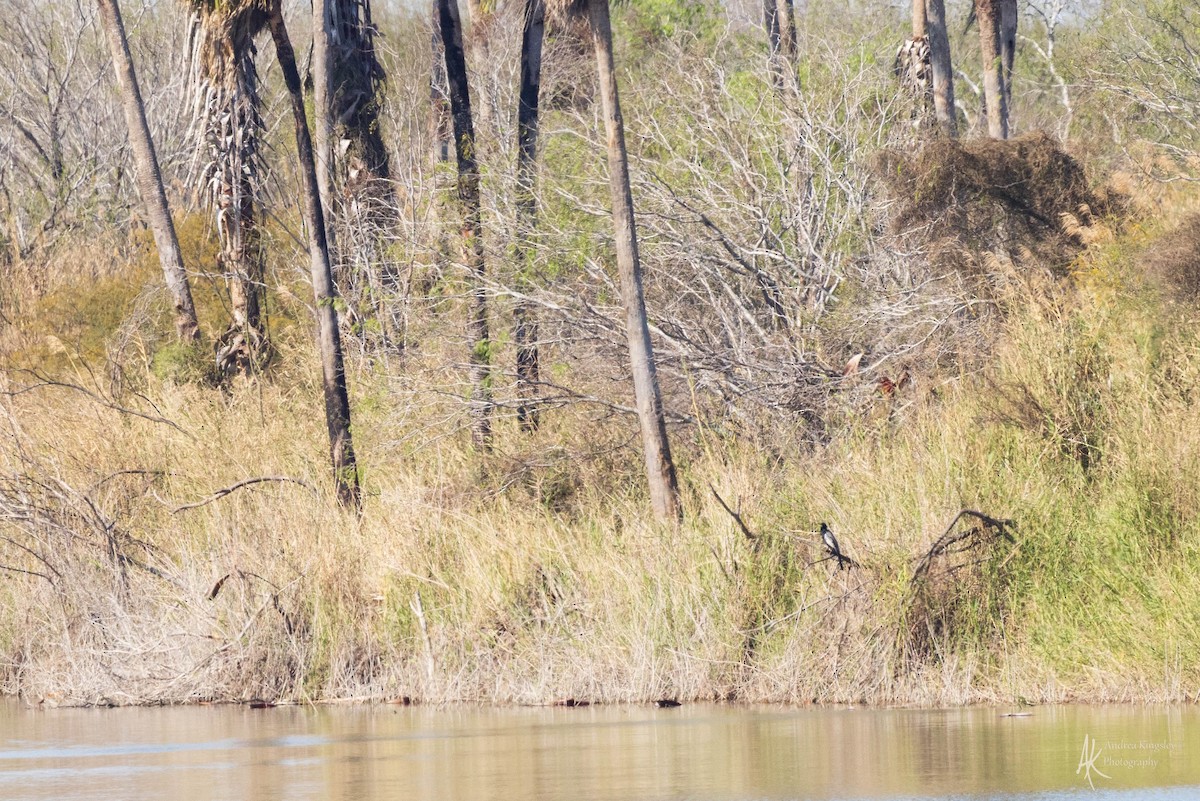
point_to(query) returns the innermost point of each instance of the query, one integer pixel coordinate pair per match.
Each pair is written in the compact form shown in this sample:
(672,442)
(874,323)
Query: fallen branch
(221,493)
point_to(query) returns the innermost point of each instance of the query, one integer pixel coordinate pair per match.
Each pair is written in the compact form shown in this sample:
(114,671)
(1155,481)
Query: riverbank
(141,568)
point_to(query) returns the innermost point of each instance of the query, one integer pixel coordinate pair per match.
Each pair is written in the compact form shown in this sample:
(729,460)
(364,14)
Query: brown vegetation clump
(958,586)
(1001,196)
(1174,260)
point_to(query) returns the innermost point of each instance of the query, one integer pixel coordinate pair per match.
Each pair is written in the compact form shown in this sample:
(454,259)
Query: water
(707,753)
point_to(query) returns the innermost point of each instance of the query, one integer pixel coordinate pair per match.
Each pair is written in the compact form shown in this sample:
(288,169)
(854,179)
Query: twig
(221,493)
(100,399)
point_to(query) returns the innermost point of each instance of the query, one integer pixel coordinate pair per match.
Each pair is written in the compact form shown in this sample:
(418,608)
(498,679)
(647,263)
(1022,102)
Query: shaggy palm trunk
(913,62)
(660,469)
(525,323)
(337,400)
(228,109)
(987,14)
(941,66)
(1008,49)
(149,178)
(472,224)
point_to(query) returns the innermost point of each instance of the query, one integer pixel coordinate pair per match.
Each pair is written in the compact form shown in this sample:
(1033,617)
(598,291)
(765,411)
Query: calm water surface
(718,753)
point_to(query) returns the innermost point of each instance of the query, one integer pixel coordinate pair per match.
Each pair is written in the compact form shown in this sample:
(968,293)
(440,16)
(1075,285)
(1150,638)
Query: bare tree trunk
(472,224)
(941,66)
(337,400)
(525,323)
(149,178)
(987,14)
(918,18)
(787,30)
(660,469)
(1008,49)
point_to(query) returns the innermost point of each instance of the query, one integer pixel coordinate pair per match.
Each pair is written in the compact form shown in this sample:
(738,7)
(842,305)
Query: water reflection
(626,753)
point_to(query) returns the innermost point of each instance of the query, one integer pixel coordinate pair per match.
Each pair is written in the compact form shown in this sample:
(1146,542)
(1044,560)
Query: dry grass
(534,575)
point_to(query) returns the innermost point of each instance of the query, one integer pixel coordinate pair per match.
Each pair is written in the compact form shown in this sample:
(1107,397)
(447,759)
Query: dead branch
(221,493)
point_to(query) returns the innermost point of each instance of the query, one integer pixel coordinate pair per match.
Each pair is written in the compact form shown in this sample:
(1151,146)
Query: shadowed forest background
(864,310)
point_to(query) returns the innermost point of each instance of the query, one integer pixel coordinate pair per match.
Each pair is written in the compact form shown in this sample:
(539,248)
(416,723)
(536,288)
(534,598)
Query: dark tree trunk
(337,400)
(525,322)
(472,225)
(987,15)
(1008,50)
(941,66)
(149,178)
(771,23)
(441,129)
(660,469)
(323,128)
(361,204)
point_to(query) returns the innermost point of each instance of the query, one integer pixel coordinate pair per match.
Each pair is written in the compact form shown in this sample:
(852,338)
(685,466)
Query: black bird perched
(834,549)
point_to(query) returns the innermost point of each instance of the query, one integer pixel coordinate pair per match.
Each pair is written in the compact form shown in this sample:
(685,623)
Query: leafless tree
(149,177)
(660,468)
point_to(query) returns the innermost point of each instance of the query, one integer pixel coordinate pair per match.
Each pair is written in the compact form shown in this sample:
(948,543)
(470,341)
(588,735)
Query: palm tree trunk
(525,323)
(441,129)
(941,66)
(337,400)
(919,17)
(360,165)
(230,125)
(987,14)
(323,129)
(472,223)
(149,178)
(660,469)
